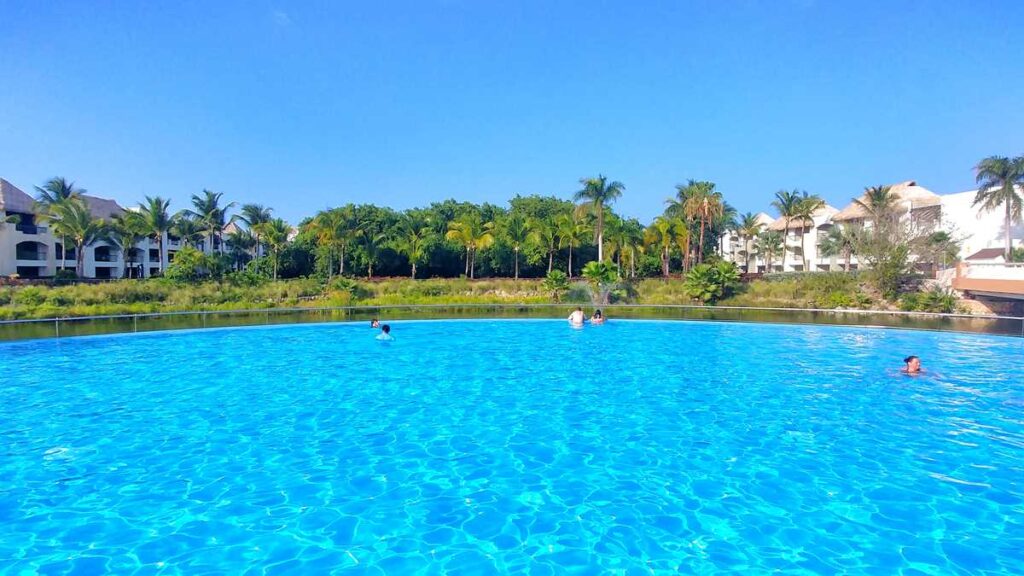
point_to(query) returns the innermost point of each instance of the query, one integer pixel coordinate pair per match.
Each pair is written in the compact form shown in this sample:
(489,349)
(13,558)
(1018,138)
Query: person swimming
(577,318)
(374,323)
(385,333)
(913,365)
(597,318)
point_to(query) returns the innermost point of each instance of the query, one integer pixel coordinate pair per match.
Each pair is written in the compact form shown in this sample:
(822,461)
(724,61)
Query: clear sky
(305,105)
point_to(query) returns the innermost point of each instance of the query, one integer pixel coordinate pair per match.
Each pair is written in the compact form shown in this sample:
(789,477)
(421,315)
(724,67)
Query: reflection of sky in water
(482,447)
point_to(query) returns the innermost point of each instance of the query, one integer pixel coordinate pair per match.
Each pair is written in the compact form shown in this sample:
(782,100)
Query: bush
(29,296)
(712,282)
(556,282)
(64,277)
(187,266)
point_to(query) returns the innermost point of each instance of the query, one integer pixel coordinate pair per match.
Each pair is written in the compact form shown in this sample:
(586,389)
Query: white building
(28,249)
(919,207)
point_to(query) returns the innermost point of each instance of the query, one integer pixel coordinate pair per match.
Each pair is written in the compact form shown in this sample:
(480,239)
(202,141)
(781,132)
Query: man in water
(913,365)
(385,333)
(577,318)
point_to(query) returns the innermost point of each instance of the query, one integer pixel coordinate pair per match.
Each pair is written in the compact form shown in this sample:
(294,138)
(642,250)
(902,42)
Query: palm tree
(805,209)
(788,205)
(879,202)
(544,235)
(72,219)
(471,232)
(127,230)
(275,232)
(371,239)
(54,192)
(840,241)
(697,201)
(186,229)
(683,237)
(998,181)
(241,242)
(412,238)
(210,215)
(515,230)
(596,193)
(157,222)
(660,235)
(749,227)
(571,232)
(769,243)
(254,215)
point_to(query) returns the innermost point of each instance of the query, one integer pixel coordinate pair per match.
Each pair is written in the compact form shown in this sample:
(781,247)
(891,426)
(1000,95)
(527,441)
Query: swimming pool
(477,447)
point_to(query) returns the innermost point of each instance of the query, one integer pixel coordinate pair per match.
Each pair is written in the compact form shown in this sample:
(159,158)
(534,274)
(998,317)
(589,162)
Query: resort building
(29,249)
(918,208)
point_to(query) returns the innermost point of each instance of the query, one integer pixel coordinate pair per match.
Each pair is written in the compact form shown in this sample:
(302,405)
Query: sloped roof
(12,199)
(764,219)
(779,224)
(102,207)
(231,228)
(987,254)
(908,196)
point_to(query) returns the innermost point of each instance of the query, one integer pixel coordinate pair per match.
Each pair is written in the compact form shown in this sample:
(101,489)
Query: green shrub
(30,296)
(712,282)
(556,282)
(64,277)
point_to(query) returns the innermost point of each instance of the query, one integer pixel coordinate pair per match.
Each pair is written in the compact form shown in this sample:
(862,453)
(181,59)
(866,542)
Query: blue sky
(302,106)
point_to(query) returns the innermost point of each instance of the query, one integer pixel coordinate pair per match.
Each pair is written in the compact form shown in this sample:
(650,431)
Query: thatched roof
(102,207)
(779,224)
(12,199)
(909,196)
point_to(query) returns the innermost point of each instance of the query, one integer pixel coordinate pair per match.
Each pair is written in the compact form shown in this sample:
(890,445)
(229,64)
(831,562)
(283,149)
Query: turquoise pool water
(481,447)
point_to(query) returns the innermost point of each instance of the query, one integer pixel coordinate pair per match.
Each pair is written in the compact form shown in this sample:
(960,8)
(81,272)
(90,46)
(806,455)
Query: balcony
(30,229)
(30,255)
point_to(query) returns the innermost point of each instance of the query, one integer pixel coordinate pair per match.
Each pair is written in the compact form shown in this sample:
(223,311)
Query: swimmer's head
(597,313)
(579,309)
(374,323)
(913,363)
(385,329)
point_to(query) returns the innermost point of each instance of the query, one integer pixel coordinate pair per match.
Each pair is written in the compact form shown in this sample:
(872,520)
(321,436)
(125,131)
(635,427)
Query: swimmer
(597,318)
(577,318)
(374,323)
(385,333)
(913,365)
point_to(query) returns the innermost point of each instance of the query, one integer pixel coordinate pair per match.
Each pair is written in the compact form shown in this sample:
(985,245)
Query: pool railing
(148,322)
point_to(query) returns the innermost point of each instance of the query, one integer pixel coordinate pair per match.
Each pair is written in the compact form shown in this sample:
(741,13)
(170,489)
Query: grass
(817,290)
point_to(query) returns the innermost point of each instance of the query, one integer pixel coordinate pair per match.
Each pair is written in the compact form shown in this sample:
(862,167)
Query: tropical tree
(412,238)
(72,219)
(999,183)
(841,241)
(683,237)
(879,202)
(749,227)
(53,193)
(601,276)
(805,209)
(660,234)
(769,244)
(788,204)
(515,230)
(252,215)
(544,235)
(241,242)
(187,229)
(595,195)
(556,282)
(473,234)
(697,201)
(157,221)
(211,216)
(275,233)
(712,282)
(127,230)
(571,232)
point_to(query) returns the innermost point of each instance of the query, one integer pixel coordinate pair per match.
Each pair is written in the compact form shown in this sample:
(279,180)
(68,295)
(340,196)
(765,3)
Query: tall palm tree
(999,181)
(682,234)
(660,235)
(72,219)
(697,201)
(571,232)
(544,235)
(187,229)
(52,193)
(515,230)
(595,195)
(275,232)
(749,227)
(157,222)
(616,239)
(471,232)
(788,204)
(769,244)
(241,242)
(254,215)
(127,230)
(336,229)
(805,209)
(840,241)
(879,202)
(412,238)
(211,216)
